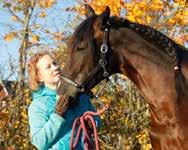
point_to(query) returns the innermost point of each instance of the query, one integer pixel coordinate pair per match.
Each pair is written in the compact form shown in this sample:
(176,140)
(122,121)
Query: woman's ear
(38,75)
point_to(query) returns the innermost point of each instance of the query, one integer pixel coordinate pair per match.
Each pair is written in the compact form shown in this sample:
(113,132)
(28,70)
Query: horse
(103,45)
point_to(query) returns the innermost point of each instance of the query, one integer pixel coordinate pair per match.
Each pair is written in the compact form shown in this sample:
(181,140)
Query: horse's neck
(146,67)
(152,80)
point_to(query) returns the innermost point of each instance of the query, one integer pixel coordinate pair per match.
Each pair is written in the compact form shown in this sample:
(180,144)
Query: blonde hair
(34,82)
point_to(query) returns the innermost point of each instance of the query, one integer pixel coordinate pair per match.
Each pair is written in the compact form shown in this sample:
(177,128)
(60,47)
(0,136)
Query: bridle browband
(84,86)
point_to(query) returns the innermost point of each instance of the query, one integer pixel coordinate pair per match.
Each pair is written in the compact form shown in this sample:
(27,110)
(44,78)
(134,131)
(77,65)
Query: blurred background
(27,26)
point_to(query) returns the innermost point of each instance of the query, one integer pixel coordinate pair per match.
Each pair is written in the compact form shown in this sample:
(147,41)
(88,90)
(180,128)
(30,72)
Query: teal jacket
(48,130)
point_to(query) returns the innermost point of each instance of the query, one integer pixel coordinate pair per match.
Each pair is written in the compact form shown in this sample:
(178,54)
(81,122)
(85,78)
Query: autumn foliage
(126,123)
(169,17)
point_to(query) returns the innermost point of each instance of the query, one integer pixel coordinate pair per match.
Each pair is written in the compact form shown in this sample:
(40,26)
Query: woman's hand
(62,105)
(64,88)
(62,100)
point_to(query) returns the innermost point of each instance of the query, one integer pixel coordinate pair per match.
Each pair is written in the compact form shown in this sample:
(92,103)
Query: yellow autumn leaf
(46,3)
(185,12)
(58,36)
(131,18)
(136,10)
(156,7)
(16,124)
(186,37)
(139,20)
(14,18)
(171,21)
(41,3)
(28,101)
(24,120)
(157,1)
(142,4)
(176,4)
(42,14)
(35,38)
(24,114)
(10,36)
(20,1)
(49,3)
(148,147)
(180,2)
(148,19)
(183,22)
(185,16)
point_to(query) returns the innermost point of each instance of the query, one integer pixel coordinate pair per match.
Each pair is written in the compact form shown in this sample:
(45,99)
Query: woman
(50,117)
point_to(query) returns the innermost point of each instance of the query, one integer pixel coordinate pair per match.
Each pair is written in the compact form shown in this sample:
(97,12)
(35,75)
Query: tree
(168,16)
(30,29)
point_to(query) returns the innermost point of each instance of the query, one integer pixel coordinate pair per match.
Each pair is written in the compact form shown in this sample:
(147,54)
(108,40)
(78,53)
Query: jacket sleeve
(43,128)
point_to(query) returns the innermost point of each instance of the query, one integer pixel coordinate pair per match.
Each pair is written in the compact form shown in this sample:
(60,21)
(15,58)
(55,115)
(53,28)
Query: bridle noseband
(84,87)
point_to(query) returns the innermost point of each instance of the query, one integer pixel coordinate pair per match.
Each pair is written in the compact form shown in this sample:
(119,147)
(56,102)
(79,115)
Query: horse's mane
(160,40)
(165,44)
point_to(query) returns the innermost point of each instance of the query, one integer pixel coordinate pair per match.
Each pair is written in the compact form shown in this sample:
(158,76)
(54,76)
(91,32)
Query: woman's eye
(54,63)
(80,48)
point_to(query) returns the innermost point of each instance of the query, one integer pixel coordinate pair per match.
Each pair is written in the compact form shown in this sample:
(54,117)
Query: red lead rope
(81,123)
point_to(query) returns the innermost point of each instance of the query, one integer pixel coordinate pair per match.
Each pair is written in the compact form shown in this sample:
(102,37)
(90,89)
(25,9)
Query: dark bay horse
(104,45)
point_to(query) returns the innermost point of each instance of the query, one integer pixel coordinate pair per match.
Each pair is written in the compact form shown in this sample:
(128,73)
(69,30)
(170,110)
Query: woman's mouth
(57,74)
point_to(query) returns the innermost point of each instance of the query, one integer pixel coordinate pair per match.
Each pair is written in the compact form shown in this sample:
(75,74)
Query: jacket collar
(44,91)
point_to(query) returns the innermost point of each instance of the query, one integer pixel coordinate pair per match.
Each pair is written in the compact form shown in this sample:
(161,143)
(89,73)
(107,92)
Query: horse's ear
(106,13)
(89,11)
(105,16)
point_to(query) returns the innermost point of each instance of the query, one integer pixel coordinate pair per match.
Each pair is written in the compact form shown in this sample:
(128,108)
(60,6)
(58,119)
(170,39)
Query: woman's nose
(55,66)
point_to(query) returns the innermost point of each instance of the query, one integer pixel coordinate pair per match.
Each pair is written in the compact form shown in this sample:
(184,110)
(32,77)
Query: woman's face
(48,71)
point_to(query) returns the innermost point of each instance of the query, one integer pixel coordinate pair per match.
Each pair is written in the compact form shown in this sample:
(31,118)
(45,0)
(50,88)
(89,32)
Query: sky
(56,20)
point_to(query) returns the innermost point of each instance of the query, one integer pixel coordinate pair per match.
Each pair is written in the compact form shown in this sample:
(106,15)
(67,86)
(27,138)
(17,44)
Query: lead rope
(80,123)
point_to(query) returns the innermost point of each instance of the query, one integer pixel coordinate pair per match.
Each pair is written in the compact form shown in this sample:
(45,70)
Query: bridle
(102,64)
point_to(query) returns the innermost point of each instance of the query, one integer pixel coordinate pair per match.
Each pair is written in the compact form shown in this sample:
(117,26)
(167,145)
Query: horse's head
(102,45)
(91,58)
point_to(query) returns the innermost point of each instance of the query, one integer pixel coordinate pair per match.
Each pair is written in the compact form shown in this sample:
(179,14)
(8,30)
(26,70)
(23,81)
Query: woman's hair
(34,82)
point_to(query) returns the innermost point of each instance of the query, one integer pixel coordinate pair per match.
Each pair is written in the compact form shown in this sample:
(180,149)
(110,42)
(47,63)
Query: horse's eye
(80,48)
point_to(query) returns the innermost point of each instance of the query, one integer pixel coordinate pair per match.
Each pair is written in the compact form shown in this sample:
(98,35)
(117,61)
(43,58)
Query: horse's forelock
(82,32)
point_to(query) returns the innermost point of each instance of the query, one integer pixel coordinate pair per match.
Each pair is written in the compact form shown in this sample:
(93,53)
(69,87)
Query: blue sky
(56,20)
